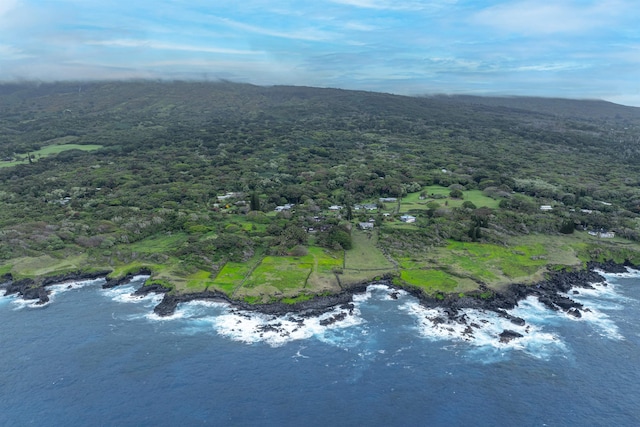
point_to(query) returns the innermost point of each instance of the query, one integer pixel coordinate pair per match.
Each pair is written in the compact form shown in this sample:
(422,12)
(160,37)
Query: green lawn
(365,260)
(283,274)
(159,243)
(234,273)
(46,265)
(430,280)
(49,150)
(365,255)
(412,201)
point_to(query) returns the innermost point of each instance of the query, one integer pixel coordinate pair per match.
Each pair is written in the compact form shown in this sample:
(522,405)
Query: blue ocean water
(100,357)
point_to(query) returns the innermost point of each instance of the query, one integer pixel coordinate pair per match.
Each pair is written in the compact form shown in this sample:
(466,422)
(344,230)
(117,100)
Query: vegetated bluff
(167,151)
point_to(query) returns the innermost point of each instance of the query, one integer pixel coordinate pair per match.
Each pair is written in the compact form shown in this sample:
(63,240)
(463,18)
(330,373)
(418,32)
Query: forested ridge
(96,168)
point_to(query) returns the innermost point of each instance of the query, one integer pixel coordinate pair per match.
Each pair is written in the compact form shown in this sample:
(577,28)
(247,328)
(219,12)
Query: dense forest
(198,176)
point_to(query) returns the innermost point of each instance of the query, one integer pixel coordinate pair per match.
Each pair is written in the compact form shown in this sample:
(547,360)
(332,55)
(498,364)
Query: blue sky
(563,48)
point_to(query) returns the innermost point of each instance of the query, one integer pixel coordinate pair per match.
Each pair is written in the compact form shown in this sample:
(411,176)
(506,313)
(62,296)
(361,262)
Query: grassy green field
(233,274)
(49,150)
(365,260)
(525,260)
(46,265)
(282,277)
(159,243)
(431,280)
(412,201)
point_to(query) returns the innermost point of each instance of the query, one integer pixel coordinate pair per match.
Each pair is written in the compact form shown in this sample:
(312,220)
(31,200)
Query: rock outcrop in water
(508,335)
(112,283)
(549,292)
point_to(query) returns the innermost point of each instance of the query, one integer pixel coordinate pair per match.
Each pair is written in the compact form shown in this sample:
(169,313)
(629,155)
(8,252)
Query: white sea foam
(125,294)
(481,329)
(53,292)
(346,328)
(139,278)
(153,316)
(251,327)
(6,299)
(631,273)
(19,303)
(536,313)
(603,296)
(599,291)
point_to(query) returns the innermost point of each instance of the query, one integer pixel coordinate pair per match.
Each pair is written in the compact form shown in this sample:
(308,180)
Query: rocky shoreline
(549,292)
(30,289)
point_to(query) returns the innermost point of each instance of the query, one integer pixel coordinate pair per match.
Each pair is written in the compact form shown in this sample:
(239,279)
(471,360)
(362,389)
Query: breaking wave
(53,292)
(480,332)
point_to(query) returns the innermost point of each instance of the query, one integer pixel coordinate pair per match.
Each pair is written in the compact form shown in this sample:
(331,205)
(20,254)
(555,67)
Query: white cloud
(151,44)
(9,52)
(382,4)
(6,6)
(539,17)
(359,26)
(307,34)
(558,66)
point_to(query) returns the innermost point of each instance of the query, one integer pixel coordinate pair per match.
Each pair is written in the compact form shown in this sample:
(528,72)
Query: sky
(553,48)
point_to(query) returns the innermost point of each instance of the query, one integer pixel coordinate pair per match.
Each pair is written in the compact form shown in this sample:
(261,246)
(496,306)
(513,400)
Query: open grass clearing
(365,254)
(233,274)
(365,261)
(432,281)
(159,243)
(199,280)
(286,277)
(412,201)
(283,273)
(46,265)
(49,150)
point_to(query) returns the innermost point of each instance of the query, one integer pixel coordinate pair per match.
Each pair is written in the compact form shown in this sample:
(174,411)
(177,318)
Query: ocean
(95,357)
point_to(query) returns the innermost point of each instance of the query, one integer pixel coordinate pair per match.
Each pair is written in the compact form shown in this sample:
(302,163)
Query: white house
(229,195)
(365,225)
(286,207)
(546,208)
(603,234)
(335,208)
(408,218)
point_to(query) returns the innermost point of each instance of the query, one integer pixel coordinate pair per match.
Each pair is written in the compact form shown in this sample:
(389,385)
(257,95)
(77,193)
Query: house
(365,225)
(229,195)
(408,218)
(388,199)
(335,208)
(603,234)
(546,208)
(286,207)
